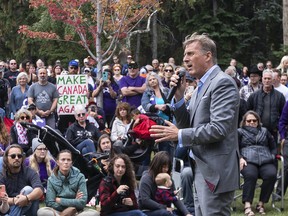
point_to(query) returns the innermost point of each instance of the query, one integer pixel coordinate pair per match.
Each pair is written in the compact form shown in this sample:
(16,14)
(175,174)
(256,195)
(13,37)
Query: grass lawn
(268,206)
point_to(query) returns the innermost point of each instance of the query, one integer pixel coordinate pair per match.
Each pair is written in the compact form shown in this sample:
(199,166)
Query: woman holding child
(161,163)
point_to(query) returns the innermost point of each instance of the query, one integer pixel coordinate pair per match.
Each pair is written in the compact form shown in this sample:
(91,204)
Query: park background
(250,31)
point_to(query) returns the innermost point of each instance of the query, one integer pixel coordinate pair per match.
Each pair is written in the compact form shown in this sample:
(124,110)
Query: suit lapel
(195,100)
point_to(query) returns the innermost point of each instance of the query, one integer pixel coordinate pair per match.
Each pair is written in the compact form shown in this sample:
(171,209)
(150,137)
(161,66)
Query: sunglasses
(81,114)
(73,68)
(41,149)
(32,109)
(13,156)
(168,70)
(251,120)
(13,63)
(132,67)
(25,117)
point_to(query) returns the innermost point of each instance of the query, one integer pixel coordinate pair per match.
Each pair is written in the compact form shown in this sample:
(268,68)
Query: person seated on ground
(4,140)
(121,124)
(94,118)
(40,161)
(257,149)
(82,134)
(4,205)
(105,146)
(21,135)
(23,185)
(67,190)
(117,190)
(164,194)
(161,163)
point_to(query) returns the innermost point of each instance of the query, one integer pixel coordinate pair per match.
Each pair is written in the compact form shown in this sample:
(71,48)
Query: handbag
(70,211)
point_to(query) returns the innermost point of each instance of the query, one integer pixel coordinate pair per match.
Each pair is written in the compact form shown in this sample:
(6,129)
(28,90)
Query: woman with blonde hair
(20,134)
(283,66)
(40,161)
(19,92)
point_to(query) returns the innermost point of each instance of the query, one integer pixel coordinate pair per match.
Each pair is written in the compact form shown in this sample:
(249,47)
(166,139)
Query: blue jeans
(129,213)
(187,187)
(86,146)
(159,212)
(31,209)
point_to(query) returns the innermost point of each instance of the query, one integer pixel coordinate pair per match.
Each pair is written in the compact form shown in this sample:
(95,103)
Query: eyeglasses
(168,70)
(13,63)
(13,156)
(41,149)
(25,117)
(251,120)
(81,114)
(73,68)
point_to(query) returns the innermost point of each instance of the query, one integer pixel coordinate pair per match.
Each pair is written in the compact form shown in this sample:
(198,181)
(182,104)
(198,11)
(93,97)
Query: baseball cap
(73,63)
(129,56)
(87,70)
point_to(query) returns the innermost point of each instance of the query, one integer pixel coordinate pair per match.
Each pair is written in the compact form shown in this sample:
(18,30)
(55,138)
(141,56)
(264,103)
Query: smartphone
(105,76)
(2,190)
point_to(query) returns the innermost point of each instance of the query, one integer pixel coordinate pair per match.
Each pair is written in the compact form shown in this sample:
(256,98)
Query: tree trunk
(137,51)
(154,36)
(285,24)
(98,51)
(214,8)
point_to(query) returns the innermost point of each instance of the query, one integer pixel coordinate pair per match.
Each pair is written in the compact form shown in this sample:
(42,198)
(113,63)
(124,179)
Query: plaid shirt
(247,90)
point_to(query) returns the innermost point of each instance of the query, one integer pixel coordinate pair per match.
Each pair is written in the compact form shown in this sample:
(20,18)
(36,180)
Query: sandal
(248,211)
(260,209)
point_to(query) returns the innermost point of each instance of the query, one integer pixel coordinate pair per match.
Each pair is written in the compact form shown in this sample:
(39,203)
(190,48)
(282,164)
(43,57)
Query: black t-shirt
(11,76)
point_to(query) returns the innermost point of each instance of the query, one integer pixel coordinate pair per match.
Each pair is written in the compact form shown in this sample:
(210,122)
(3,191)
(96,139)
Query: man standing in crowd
(209,129)
(23,185)
(124,71)
(12,73)
(277,84)
(284,79)
(155,64)
(132,86)
(45,96)
(4,89)
(253,85)
(268,103)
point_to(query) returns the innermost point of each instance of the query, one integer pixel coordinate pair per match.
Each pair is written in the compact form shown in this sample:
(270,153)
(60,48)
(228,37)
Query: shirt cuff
(177,104)
(180,144)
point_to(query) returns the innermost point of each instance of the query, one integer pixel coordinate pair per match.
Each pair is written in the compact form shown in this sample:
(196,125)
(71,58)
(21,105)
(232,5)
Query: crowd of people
(257,106)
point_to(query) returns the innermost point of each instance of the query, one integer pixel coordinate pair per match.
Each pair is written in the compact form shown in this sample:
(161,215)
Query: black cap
(254,70)
(132,65)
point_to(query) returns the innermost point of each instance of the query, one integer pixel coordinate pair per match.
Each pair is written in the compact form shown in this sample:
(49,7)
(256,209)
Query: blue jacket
(66,188)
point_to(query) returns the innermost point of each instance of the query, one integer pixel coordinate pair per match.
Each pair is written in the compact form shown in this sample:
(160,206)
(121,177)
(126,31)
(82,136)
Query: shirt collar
(207,74)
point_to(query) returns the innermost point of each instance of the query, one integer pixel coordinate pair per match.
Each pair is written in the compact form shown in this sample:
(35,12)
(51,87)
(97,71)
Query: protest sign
(73,90)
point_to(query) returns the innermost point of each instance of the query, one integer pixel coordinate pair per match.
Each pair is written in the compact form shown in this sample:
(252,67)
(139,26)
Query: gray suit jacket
(209,128)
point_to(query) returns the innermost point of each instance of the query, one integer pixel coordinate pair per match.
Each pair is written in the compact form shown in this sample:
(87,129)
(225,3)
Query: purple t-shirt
(127,81)
(42,170)
(109,103)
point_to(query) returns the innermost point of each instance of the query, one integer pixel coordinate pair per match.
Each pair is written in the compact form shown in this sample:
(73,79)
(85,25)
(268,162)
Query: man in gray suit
(209,127)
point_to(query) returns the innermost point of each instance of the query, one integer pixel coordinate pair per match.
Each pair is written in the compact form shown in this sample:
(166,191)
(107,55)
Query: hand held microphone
(172,91)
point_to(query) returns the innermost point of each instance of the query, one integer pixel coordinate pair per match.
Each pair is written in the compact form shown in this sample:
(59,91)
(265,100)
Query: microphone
(172,91)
